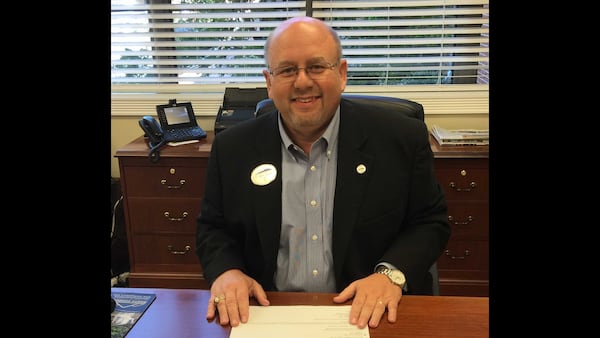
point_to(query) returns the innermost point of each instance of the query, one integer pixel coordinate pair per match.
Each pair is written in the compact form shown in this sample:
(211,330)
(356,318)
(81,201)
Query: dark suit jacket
(394,212)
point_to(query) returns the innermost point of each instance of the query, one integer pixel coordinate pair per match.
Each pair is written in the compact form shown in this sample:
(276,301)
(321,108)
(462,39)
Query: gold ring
(218,299)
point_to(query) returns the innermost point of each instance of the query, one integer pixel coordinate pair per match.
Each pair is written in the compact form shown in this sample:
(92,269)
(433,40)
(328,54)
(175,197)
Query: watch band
(395,276)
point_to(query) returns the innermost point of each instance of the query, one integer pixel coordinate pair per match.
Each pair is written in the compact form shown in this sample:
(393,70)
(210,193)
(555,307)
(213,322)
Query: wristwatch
(395,276)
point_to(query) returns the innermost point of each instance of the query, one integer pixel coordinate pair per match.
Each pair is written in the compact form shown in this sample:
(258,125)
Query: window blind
(220,43)
(193,42)
(411,42)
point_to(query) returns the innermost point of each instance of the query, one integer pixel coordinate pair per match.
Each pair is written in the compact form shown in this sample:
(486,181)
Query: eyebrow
(309,61)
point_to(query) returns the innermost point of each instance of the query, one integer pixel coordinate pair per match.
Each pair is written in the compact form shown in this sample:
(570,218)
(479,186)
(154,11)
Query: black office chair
(408,107)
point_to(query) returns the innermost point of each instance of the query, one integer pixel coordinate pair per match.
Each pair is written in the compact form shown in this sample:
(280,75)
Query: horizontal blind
(193,42)
(156,42)
(411,42)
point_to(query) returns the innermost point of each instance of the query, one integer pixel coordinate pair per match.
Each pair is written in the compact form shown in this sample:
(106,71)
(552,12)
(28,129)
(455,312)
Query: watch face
(397,277)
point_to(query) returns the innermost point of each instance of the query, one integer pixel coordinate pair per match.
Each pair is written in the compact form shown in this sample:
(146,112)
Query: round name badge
(263,174)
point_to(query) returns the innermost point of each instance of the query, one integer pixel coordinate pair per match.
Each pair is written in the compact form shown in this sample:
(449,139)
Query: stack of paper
(299,321)
(460,137)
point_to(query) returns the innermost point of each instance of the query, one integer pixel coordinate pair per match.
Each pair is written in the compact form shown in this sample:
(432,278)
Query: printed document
(299,321)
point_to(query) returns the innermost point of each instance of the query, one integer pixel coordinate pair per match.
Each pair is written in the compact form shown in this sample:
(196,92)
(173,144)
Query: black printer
(239,104)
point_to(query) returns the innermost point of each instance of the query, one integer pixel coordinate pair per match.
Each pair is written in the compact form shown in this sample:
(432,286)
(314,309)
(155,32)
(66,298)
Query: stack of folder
(460,137)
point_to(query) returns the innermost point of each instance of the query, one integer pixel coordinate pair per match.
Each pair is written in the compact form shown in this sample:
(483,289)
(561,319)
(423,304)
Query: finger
(355,309)
(392,309)
(210,309)
(346,294)
(259,294)
(221,307)
(366,312)
(223,315)
(232,309)
(243,307)
(377,313)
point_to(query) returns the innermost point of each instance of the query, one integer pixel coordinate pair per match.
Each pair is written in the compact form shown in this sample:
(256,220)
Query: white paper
(299,321)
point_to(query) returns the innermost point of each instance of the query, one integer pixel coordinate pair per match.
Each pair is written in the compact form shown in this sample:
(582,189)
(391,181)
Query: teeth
(304,100)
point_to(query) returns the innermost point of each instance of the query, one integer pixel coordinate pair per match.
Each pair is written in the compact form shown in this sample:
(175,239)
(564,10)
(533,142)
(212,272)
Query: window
(410,42)
(197,48)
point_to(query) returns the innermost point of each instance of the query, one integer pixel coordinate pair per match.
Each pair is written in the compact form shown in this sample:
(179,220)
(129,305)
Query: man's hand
(230,296)
(372,295)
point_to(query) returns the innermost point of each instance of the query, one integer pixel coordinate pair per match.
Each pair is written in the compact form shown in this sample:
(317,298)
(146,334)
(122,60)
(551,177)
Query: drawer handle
(469,220)
(174,252)
(178,219)
(181,183)
(471,187)
(451,256)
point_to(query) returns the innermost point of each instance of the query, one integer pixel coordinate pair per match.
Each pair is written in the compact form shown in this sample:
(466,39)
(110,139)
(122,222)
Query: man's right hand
(230,296)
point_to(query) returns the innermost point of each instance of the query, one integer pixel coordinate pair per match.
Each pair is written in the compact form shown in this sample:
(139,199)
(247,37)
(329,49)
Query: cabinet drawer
(168,215)
(465,255)
(469,220)
(469,288)
(463,180)
(166,253)
(165,181)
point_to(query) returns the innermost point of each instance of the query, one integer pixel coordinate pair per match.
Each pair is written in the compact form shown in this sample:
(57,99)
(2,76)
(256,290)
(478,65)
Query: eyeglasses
(314,71)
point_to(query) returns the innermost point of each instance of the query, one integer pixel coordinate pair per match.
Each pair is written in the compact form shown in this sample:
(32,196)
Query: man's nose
(302,76)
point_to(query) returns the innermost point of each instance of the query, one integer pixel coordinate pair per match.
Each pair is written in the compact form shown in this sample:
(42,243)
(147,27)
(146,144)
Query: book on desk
(129,307)
(460,137)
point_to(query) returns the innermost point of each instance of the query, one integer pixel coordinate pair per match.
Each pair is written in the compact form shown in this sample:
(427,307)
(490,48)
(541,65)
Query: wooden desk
(182,313)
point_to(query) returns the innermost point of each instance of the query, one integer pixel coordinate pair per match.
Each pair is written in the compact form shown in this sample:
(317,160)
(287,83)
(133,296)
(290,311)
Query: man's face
(306,101)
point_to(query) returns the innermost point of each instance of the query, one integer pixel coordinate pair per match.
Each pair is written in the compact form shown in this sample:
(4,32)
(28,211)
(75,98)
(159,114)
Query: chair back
(433,270)
(408,107)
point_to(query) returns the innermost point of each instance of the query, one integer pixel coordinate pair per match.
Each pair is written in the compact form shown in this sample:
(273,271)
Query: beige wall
(125,129)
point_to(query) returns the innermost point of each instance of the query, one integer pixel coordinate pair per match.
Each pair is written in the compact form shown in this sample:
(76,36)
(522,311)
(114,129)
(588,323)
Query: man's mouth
(305,99)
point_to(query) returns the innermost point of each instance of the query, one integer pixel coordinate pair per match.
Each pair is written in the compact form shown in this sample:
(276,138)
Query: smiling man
(321,195)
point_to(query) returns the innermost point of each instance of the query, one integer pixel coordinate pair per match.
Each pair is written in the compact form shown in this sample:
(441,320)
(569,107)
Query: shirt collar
(330,134)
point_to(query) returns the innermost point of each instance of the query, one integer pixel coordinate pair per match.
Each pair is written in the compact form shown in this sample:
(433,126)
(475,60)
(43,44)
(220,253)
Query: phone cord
(154,153)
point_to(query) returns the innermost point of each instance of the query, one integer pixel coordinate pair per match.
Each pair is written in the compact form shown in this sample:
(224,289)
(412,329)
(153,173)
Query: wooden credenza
(463,172)
(162,201)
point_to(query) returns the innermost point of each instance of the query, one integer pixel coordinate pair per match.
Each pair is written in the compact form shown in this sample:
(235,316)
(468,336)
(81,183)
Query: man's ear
(343,74)
(267,80)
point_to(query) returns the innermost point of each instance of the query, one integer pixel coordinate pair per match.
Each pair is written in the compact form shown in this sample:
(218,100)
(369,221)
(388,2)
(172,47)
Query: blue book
(129,307)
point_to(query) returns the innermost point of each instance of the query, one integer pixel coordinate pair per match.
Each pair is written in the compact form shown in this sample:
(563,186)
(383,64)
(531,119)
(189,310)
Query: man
(320,195)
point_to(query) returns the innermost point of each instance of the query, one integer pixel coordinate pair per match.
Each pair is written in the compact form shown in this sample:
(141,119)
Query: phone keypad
(184,134)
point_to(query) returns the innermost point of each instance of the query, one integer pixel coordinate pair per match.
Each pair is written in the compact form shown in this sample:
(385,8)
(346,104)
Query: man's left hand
(372,295)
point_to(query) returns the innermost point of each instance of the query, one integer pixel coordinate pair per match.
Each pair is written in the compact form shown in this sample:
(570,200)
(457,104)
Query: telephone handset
(154,132)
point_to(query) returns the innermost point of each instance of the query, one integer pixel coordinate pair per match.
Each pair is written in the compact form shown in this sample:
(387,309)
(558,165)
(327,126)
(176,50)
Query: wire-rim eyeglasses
(313,71)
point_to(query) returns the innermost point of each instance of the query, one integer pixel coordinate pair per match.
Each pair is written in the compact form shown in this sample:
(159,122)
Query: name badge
(263,174)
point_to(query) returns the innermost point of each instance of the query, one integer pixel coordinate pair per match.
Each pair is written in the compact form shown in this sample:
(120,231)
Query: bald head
(301,25)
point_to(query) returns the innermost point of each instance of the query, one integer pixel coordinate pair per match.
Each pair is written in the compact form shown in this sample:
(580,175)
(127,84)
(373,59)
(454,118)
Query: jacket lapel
(353,171)
(267,198)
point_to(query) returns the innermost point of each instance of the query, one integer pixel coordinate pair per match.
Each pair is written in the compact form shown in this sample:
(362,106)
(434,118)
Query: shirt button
(313,168)
(315,237)
(313,203)
(315,272)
